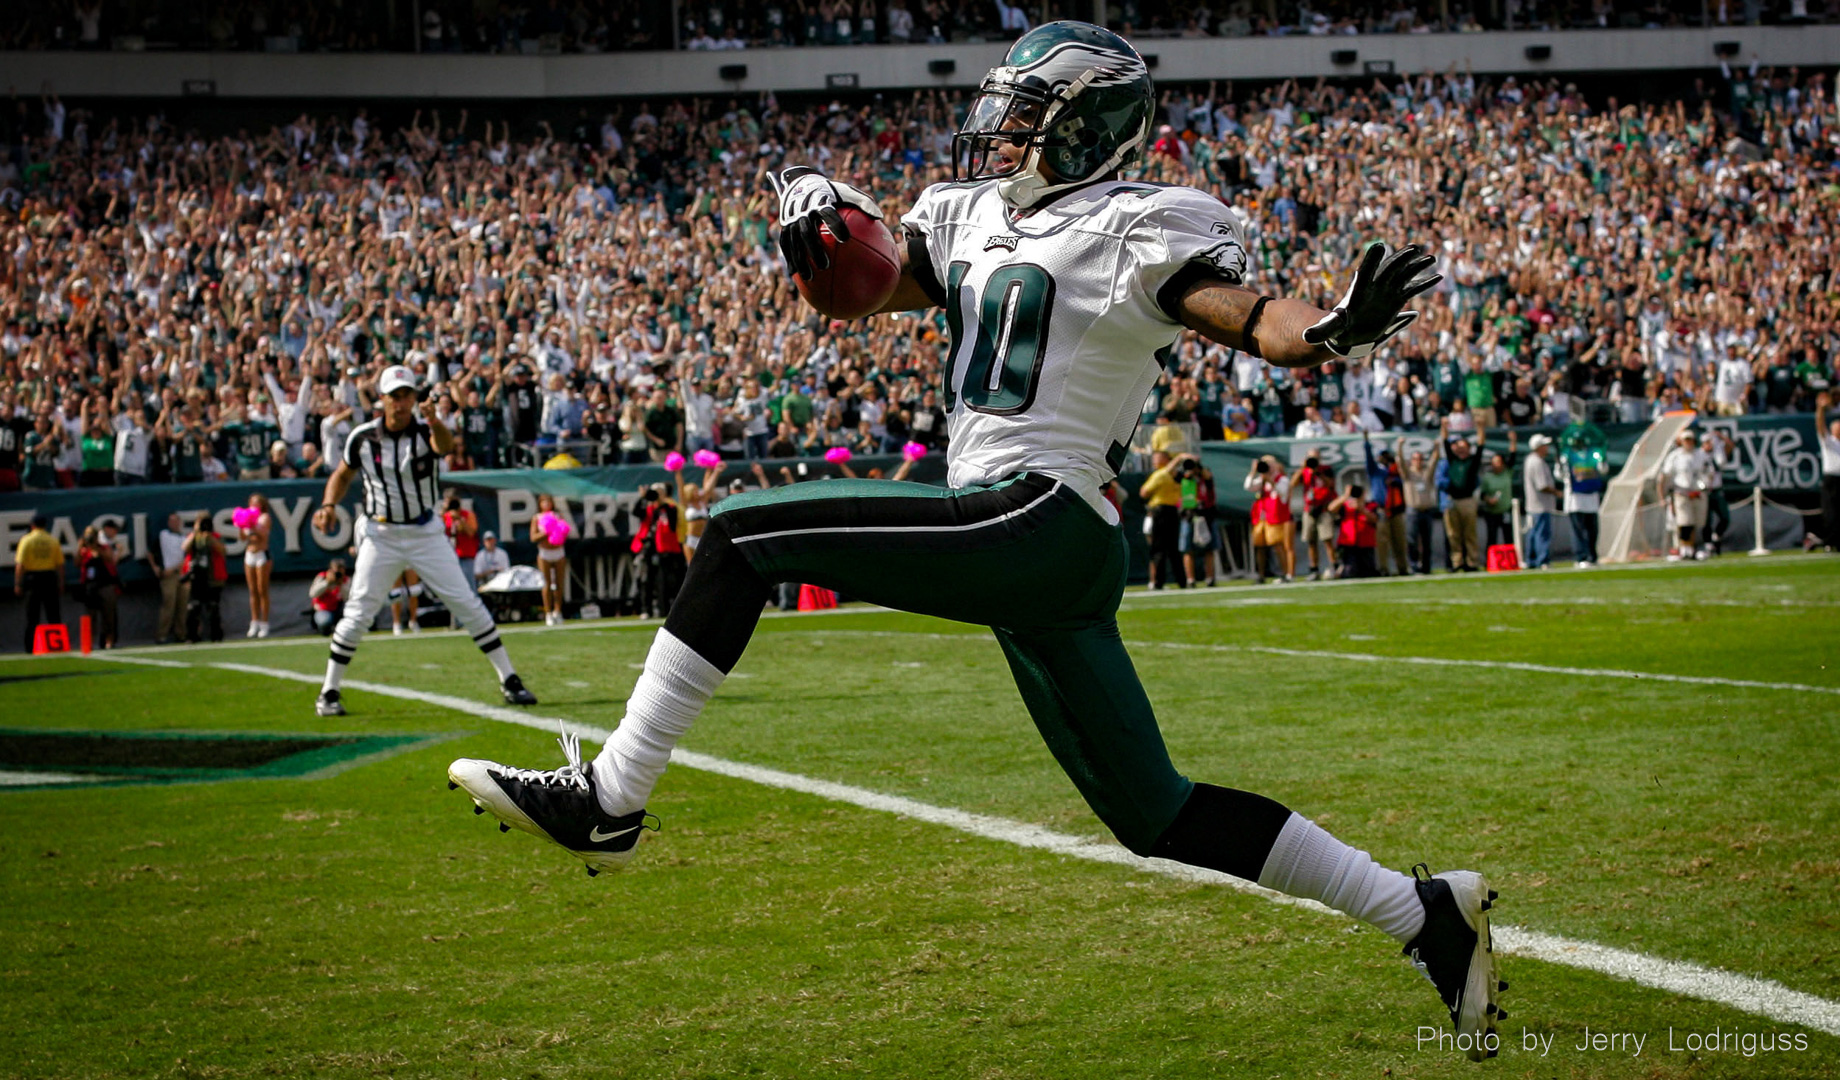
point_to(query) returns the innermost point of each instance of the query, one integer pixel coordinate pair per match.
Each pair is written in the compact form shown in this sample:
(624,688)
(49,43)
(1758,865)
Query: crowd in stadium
(185,308)
(592,26)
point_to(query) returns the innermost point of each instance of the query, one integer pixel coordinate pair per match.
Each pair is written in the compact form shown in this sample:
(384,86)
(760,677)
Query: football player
(1065,287)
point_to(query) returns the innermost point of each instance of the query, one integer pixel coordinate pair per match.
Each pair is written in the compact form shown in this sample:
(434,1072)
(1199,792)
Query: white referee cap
(396,378)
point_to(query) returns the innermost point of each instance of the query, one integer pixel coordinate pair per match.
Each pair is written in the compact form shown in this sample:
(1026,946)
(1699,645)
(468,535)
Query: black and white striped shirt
(399,470)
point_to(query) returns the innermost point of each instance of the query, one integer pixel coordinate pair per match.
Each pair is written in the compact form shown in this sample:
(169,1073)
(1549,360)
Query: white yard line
(1210,599)
(1377,658)
(1501,665)
(1758,997)
(1229,596)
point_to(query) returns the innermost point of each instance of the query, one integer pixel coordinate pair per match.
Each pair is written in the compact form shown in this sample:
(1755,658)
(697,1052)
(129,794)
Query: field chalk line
(1379,658)
(1749,994)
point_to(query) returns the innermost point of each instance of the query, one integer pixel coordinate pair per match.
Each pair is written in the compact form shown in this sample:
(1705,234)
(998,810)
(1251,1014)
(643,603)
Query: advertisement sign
(595,501)
(1777,453)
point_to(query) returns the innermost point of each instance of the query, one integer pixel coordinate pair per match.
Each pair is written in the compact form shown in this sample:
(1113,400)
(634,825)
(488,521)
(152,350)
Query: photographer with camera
(1356,534)
(1318,486)
(1162,496)
(1271,517)
(206,571)
(1197,538)
(328,591)
(462,528)
(658,556)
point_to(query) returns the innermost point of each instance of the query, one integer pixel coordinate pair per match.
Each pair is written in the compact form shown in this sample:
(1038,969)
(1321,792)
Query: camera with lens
(1186,469)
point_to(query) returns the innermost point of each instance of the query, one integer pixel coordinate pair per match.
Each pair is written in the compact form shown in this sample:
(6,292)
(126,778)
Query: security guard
(38,575)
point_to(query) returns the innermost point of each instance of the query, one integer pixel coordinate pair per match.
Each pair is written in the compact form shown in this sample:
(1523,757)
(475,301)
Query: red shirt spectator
(1357,527)
(462,527)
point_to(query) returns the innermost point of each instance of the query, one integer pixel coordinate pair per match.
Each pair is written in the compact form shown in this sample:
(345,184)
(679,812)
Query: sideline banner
(596,501)
(1778,453)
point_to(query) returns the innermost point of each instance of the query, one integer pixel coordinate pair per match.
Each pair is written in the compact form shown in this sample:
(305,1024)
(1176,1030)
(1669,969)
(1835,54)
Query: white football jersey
(1060,318)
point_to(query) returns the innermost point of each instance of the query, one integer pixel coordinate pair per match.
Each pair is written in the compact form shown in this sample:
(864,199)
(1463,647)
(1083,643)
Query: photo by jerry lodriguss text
(1630,1043)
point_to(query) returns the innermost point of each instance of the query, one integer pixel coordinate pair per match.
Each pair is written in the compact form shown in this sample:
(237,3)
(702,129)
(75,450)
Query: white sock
(671,691)
(334,672)
(501,662)
(1306,861)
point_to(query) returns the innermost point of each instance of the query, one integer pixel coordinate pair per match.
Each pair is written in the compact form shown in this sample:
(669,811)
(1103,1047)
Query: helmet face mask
(1071,104)
(1000,116)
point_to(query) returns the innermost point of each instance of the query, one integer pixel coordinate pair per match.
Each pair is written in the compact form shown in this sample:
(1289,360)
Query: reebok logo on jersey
(596,836)
(1007,243)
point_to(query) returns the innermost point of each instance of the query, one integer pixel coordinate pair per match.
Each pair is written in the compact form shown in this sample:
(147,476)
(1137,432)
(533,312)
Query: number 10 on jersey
(1009,340)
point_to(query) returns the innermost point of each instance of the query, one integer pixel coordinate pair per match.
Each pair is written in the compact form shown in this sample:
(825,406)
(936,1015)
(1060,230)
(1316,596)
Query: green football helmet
(1074,98)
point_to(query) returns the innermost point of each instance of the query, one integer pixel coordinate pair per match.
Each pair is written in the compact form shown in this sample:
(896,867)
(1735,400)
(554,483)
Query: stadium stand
(598,26)
(1600,256)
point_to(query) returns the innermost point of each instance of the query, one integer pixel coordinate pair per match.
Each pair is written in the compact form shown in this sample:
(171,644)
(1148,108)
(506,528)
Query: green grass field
(360,921)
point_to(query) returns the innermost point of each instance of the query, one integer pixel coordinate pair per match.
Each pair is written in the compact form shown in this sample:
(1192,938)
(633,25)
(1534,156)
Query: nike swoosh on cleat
(596,836)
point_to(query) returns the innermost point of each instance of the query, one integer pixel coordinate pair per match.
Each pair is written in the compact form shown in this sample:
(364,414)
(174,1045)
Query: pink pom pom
(553,527)
(837,455)
(708,459)
(913,451)
(673,461)
(245,517)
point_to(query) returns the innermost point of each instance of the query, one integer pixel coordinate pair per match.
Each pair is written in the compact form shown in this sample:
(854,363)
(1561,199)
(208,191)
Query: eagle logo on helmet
(1071,104)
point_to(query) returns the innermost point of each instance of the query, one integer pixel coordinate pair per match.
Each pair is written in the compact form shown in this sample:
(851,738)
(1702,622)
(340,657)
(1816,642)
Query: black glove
(807,199)
(1369,313)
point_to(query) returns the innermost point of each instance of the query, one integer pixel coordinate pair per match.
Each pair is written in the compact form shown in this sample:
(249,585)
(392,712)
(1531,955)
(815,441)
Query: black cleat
(329,704)
(514,691)
(1454,950)
(559,805)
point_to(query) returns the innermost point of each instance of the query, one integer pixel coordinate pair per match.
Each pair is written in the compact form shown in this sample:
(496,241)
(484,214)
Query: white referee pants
(384,552)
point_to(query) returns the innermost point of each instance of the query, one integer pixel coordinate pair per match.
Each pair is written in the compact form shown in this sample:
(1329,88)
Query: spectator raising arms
(1459,477)
(153,315)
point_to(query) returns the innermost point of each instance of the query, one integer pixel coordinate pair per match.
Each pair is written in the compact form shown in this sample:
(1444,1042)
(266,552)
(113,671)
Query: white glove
(808,198)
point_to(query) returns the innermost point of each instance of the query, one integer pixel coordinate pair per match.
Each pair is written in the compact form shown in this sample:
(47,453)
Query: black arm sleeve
(1169,297)
(920,265)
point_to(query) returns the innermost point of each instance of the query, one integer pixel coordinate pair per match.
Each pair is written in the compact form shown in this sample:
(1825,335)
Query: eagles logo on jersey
(1076,97)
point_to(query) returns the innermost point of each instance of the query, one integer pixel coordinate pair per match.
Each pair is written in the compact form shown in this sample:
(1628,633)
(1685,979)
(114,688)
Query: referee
(396,455)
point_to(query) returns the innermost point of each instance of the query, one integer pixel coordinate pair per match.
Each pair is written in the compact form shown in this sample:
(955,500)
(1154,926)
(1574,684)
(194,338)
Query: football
(863,272)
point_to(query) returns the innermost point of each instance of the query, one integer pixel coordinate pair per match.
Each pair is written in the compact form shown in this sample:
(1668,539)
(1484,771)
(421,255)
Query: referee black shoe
(1454,950)
(329,704)
(559,805)
(515,694)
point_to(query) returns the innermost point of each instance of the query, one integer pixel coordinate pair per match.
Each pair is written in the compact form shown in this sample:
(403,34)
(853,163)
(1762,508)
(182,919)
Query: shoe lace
(572,775)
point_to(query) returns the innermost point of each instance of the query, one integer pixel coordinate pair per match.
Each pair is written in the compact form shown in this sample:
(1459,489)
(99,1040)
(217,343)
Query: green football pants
(1026,557)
